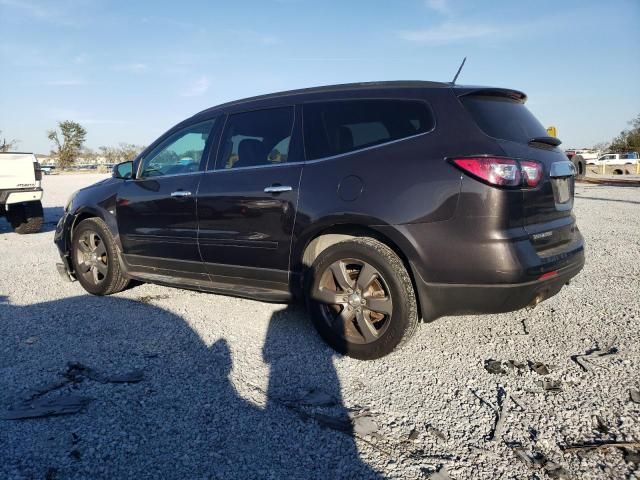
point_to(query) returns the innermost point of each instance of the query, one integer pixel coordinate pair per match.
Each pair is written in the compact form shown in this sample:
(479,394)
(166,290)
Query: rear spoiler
(491,92)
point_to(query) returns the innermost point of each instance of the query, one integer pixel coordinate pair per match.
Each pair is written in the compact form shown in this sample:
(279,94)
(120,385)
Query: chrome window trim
(256,167)
(146,179)
(391,142)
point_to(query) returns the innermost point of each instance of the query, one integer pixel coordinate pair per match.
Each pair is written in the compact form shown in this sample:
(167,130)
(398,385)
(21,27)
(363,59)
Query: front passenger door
(156,211)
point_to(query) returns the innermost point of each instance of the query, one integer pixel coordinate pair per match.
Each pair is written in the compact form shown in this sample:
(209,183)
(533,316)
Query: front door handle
(180,193)
(278,189)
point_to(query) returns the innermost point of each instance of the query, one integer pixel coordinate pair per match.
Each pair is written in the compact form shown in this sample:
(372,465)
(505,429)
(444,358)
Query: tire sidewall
(403,300)
(90,225)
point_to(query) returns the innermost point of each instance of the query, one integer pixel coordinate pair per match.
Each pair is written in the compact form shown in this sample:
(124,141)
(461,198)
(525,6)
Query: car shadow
(193,415)
(51,217)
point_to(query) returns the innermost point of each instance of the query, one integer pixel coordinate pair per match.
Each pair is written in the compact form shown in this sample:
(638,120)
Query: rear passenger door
(247,199)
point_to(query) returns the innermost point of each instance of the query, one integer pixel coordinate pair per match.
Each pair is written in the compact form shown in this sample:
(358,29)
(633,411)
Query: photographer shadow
(186,418)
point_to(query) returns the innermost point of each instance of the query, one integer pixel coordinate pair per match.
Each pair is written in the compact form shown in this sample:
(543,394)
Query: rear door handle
(180,193)
(278,189)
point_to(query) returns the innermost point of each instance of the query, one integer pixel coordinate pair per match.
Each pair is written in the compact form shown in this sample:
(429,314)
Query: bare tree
(8,146)
(68,150)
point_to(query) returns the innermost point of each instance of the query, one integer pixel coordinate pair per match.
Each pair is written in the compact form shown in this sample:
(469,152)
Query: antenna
(453,82)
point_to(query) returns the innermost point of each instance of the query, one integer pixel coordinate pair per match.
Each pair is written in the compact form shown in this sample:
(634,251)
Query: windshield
(504,118)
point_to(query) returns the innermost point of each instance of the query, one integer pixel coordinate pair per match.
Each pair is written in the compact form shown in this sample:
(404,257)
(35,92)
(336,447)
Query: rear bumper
(20,195)
(463,267)
(459,299)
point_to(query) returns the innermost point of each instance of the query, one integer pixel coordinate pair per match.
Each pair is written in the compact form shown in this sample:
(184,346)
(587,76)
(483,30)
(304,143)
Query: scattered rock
(364,425)
(31,340)
(539,367)
(494,367)
(635,395)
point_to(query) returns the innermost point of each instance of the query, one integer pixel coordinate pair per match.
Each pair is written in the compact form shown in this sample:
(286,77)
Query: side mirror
(122,170)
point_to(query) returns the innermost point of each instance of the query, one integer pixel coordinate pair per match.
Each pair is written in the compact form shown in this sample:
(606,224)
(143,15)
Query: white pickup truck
(21,191)
(630,158)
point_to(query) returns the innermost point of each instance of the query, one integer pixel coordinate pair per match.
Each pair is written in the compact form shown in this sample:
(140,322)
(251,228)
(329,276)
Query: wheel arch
(90,212)
(316,242)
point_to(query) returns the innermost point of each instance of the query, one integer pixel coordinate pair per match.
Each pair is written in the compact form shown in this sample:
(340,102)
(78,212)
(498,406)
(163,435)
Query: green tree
(628,140)
(7,146)
(68,150)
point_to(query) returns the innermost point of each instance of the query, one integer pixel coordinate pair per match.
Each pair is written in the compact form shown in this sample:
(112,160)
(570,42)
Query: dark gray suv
(380,204)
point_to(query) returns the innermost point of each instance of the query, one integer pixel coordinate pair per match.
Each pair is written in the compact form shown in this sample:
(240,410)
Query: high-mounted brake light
(501,172)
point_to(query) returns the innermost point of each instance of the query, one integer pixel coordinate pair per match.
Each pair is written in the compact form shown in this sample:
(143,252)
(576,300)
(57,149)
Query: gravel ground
(226,381)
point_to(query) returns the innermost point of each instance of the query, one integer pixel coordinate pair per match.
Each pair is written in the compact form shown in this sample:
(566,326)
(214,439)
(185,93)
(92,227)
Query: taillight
(501,172)
(531,172)
(37,170)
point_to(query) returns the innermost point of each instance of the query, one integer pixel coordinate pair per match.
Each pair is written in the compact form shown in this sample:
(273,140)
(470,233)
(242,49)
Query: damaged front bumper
(62,240)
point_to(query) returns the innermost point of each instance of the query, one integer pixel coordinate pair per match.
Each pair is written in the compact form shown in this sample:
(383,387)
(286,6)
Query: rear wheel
(95,258)
(26,217)
(361,298)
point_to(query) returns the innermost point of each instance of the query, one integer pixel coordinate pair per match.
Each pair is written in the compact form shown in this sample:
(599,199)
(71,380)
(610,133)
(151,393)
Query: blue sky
(129,70)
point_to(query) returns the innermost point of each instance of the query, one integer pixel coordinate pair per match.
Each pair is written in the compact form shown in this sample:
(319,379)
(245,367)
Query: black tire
(581,166)
(26,217)
(389,288)
(95,258)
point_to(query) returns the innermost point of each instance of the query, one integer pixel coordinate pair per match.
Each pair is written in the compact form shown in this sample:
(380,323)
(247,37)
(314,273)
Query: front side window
(180,153)
(336,127)
(256,138)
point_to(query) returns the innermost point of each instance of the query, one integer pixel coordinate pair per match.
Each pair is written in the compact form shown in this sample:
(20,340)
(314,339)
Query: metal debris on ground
(535,459)
(318,398)
(599,424)
(549,385)
(75,372)
(34,406)
(598,445)
(39,407)
(584,360)
(31,340)
(539,367)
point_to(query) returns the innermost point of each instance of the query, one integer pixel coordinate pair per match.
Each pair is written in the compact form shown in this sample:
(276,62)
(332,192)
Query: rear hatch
(18,171)
(547,208)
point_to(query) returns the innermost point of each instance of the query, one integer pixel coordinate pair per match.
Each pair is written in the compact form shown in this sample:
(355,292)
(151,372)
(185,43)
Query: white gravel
(221,376)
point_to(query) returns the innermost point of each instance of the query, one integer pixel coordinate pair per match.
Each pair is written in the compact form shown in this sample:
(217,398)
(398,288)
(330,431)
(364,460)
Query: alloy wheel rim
(91,257)
(355,300)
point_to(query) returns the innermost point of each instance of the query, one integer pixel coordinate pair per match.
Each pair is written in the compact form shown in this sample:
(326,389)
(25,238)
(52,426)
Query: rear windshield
(342,126)
(504,118)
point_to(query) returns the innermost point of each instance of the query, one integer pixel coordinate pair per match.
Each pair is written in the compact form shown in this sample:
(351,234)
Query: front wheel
(361,298)
(95,258)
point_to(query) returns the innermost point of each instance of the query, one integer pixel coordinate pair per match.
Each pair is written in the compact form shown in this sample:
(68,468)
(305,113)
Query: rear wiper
(553,141)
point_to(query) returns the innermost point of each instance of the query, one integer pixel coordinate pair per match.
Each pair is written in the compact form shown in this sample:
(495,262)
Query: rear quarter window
(342,126)
(503,118)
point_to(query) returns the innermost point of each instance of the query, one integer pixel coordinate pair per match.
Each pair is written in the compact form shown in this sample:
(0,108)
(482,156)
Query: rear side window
(256,138)
(332,128)
(504,118)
